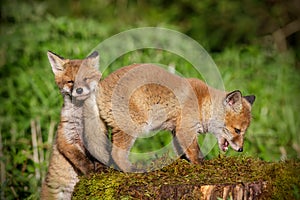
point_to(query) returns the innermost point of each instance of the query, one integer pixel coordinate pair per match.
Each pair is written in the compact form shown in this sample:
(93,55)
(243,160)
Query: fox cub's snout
(83,89)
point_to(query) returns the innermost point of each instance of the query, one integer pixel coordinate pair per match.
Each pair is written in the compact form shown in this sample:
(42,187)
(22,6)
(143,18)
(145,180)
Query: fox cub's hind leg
(122,144)
(61,177)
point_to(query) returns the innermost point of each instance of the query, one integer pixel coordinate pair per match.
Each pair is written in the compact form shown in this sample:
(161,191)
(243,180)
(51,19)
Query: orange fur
(185,107)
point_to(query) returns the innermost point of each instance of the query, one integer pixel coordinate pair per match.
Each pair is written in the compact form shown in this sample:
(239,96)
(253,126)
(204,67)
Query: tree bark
(239,191)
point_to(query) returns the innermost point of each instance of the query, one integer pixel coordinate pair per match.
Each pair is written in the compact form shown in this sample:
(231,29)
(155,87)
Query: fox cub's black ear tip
(51,53)
(94,54)
(250,98)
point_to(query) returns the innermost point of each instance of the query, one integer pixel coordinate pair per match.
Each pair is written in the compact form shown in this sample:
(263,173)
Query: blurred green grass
(31,102)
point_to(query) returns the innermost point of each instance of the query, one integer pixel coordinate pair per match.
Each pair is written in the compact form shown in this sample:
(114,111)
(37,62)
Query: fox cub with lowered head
(69,157)
(141,98)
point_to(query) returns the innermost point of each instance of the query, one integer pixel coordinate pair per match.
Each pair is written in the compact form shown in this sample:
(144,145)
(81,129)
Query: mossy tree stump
(222,178)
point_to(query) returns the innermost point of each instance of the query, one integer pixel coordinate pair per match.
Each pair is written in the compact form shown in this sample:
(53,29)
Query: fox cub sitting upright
(69,157)
(141,98)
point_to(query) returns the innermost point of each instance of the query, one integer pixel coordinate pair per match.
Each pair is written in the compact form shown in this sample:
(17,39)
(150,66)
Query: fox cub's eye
(238,131)
(70,82)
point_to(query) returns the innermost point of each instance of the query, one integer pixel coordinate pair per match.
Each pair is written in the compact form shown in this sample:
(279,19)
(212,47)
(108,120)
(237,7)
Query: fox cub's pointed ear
(234,100)
(93,59)
(57,62)
(250,99)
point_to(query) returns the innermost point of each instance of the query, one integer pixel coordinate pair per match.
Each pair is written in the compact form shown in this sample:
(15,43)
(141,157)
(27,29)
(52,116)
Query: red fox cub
(69,157)
(141,98)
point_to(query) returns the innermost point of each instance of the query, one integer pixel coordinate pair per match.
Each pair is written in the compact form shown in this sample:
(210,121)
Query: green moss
(282,178)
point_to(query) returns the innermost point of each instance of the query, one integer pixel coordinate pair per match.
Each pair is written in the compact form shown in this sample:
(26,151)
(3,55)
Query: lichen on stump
(228,177)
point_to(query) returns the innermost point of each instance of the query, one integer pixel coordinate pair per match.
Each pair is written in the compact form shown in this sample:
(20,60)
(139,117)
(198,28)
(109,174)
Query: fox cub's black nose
(240,149)
(79,90)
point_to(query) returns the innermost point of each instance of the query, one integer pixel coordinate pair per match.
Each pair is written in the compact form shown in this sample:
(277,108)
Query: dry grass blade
(2,166)
(35,149)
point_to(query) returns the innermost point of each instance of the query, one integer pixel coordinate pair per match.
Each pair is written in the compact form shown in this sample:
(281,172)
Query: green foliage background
(231,31)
